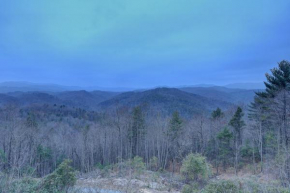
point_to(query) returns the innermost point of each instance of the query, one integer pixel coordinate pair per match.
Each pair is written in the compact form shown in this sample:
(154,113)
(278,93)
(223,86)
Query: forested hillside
(166,101)
(187,101)
(163,129)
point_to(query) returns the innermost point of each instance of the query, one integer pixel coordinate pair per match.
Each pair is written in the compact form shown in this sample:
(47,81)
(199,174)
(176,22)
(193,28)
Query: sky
(142,43)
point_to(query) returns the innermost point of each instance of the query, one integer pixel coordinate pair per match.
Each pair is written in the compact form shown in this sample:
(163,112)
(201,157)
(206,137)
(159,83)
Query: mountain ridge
(23,86)
(166,100)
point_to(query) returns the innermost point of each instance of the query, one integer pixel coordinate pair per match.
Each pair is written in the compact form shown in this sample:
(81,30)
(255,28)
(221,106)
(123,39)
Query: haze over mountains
(13,86)
(28,86)
(187,100)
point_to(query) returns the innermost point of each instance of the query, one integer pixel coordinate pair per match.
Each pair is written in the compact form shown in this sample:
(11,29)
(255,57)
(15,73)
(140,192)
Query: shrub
(105,168)
(24,185)
(190,188)
(60,180)
(154,163)
(223,186)
(137,165)
(195,167)
(254,186)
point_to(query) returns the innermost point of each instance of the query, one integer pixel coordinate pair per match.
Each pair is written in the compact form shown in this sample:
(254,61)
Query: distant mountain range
(78,99)
(187,100)
(6,87)
(248,86)
(14,86)
(235,96)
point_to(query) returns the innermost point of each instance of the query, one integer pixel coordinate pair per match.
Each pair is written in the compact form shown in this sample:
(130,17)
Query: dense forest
(36,138)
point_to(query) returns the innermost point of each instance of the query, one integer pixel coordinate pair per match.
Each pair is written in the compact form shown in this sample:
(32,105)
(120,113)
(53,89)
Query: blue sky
(142,43)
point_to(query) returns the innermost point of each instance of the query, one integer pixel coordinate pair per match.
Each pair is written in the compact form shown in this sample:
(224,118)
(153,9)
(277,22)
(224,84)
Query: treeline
(33,141)
(36,140)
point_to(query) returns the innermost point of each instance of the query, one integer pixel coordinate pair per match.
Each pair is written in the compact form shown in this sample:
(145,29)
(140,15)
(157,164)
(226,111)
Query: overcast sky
(142,43)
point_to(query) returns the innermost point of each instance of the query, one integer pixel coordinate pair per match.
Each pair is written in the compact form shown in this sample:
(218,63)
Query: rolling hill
(187,100)
(84,99)
(79,99)
(165,100)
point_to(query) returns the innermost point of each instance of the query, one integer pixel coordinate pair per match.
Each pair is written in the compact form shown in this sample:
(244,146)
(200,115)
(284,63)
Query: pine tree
(272,108)
(175,127)
(31,121)
(258,115)
(224,137)
(137,132)
(276,97)
(212,147)
(237,124)
(174,133)
(279,80)
(217,114)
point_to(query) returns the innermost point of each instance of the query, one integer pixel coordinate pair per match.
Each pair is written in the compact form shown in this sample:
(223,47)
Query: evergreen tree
(137,132)
(212,147)
(174,133)
(31,121)
(224,137)
(278,81)
(271,108)
(258,115)
(175,128)
(276,97)
(237,124)
(217,114)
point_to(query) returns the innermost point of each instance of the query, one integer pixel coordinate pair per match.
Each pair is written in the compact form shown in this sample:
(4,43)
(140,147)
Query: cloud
(108,40)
